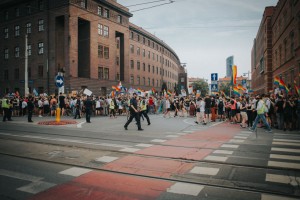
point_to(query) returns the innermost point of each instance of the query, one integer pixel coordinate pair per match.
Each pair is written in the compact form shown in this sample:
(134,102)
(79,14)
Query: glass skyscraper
(229,64)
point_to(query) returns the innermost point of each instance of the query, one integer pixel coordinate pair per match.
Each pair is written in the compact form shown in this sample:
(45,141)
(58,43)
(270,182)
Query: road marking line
(243,134)
(240,137)
(80,124)
(144,145)
(172,136)
(248,132)
(233,146)
(106,159)
(236,141)
(188,131)
(158,140)
(272,197)
(284,165)
(75,171)
(285,157)
(223,152)
(185,188)
(205,171)
(130,150)
(36,187)
(285,140)
(286,150)
(286,143)
(181,133)
(20,176)
(216,158)
(282,179)
(216,124)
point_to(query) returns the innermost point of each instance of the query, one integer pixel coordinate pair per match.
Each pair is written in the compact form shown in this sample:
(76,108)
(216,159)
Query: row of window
(28,9)
(40,51)
(160,59)
(152,44)
(103,51)
(103,12)
(150,82)
(288,48)
(158,70)
(28,29)
(17,73)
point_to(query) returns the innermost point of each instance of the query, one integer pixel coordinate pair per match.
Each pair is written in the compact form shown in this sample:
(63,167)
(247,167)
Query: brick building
(91,41)
(276,50)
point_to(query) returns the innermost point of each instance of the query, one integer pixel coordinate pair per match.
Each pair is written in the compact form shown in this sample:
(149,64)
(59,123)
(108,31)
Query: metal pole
(48,84)
(26,65)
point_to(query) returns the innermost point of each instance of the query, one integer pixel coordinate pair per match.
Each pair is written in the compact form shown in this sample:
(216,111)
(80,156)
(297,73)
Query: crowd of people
(271,111)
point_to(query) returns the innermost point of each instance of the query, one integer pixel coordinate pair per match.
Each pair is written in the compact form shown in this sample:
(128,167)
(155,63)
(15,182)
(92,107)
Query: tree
(225,87)
(202,86)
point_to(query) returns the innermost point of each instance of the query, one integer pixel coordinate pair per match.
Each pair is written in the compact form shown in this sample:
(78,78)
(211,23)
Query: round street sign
(59,81)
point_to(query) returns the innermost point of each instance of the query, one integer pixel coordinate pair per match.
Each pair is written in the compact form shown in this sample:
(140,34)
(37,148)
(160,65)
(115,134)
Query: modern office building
(229,64)
(91,42)
(276,48)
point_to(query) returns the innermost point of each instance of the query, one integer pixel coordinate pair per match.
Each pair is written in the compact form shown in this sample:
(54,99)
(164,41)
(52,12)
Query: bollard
(57,119)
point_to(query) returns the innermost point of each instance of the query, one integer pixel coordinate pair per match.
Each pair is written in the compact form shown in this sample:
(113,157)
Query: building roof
(229,78)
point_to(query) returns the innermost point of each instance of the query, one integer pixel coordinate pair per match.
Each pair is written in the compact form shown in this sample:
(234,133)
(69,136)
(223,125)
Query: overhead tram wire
(153,6)
(145,3)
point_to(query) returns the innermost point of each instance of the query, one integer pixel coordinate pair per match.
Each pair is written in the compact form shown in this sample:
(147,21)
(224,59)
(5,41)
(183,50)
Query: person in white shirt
(200,108)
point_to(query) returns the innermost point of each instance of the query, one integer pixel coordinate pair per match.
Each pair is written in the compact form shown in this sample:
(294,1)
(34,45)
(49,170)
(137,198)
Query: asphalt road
(171,159)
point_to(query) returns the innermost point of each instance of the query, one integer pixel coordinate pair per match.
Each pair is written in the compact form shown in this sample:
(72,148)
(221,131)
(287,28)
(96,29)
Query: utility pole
(26,65)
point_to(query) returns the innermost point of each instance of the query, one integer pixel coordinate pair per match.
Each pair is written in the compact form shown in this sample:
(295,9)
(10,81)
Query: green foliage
(225,88)
(202,86)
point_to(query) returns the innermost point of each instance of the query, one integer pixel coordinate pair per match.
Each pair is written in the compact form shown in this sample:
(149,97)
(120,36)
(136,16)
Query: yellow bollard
(57,119)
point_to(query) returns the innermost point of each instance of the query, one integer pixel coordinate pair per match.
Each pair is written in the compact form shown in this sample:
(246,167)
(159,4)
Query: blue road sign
(214,87)
(59,81)
(214,76)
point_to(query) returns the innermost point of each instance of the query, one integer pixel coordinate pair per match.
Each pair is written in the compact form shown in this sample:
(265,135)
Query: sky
(203,33)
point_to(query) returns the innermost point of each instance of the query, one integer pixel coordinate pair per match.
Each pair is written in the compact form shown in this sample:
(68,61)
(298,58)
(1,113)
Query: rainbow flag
(276,80)
(240,87)
(297,89)
(153,91)
(234,74)
(115,88)
(283,86)
(236,91)
(169,93)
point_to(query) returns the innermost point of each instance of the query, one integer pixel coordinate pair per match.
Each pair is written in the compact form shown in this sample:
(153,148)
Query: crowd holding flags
(237,89)
(282,86)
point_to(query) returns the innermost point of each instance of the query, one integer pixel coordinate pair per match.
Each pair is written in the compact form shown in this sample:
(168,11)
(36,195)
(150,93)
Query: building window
(144,40)
(17,31)
(149,81)
(106,31)
(17,74)
(100,29)
(138,65)
(106,52)
(100,73)
(149,68)
(144,53)
(6,33)
(292,43)
(100,51)
(106,74)
(149,54)
(41,48)
(106,13)
(153,83)
(83,3)
(285,49)
(138,38)
(131,48)
(6,54)
(41,25)
(17,52)
(28,9)
(29,49)
(100,10)
(144,81)
(261,65)
(156,83)
(153,71)
(119,19)
(131,64)
(41,5)
(131,80)
(117,61)
(5,74)
(138,80)
(131,35)
(144,67)
(138,51)
(149,43)
(40,71)
(6,14)
(28,28)
(118,43)
(17,12)
(156,70)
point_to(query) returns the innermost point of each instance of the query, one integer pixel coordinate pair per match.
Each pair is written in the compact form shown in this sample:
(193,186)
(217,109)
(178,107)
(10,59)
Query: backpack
(221,104)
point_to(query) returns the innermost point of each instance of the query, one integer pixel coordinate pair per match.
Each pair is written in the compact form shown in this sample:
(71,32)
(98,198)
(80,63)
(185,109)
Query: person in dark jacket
(30,107)
(88,104)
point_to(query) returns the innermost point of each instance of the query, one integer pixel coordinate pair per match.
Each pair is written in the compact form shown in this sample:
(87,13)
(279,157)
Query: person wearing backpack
(261,111)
